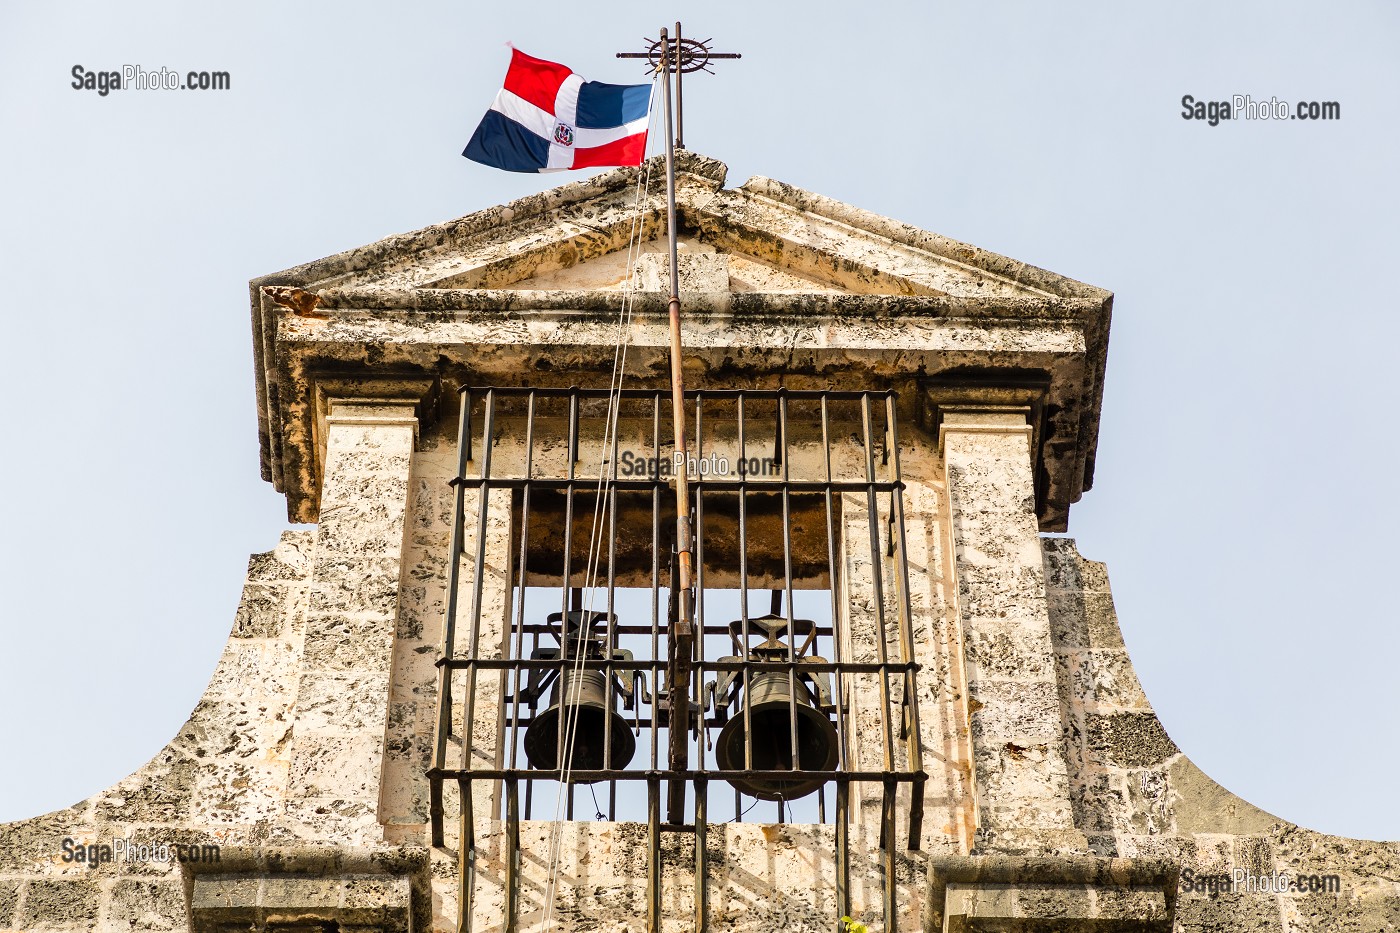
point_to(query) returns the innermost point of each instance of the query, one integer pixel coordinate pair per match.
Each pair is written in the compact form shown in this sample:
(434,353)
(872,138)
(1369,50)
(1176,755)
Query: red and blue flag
(547,119)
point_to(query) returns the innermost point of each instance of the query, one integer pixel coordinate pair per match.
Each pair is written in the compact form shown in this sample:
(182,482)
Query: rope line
(564,759)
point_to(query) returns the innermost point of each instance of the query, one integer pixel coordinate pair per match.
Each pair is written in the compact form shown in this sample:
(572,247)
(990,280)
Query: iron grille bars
(789,527)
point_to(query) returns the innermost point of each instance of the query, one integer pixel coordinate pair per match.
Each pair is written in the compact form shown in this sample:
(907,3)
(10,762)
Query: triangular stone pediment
(703,268)
(779,286)
(770,237)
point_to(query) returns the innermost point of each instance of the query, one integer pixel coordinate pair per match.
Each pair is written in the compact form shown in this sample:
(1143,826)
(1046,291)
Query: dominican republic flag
(547,119)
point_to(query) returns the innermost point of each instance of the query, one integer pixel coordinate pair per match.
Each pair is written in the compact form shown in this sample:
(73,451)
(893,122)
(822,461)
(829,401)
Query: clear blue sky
(1244,498)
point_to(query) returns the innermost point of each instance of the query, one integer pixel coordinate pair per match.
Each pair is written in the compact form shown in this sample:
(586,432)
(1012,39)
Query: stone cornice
(918,307)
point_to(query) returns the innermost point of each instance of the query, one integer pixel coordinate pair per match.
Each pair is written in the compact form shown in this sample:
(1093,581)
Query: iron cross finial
(679,56)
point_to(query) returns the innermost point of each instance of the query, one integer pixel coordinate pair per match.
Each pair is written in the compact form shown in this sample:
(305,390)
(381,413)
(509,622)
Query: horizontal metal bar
(581,775)
(586,484)
(843,395)
(540,628)
(640,722)
(598,664)
(708,55)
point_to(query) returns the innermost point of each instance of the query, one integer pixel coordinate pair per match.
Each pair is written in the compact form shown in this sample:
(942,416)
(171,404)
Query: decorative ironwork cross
(683,57)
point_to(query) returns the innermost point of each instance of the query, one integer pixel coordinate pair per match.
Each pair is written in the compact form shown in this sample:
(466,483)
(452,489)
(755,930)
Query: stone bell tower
(450,705)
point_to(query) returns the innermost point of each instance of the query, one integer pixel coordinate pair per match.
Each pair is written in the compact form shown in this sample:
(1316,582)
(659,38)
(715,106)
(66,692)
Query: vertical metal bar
(743,652)
(887,841)
(702,856)
(795,762)
(530,784)
(777,436)
(449,628)
(843,787)
(698,649)
(466,412)
(468,819)
(906,629)
(877,587)
(466,858)
(564,720)
(843,851)
(656,482)
(653,855)
(669,61)
(610,644)
(512,872)
(523,579)
(834,581)
(889,524)
(682,632)
(699,530)
(680,102)
(478,587)
(573,429)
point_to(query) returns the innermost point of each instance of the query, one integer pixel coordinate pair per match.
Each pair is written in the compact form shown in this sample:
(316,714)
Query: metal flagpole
(682,636)
(678,56)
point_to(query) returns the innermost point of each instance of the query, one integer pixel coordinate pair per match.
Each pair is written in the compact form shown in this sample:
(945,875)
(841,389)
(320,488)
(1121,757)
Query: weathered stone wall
(286,747)
(221,781)
(227,779)
(1021,776)
(1137,796)
(1053,792)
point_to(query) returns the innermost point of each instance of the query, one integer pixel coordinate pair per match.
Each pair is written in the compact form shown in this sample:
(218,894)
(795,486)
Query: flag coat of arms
(547,119)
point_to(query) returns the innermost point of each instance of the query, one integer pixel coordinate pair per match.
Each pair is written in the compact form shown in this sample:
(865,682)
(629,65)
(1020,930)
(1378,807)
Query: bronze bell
(586,692)
(771,704)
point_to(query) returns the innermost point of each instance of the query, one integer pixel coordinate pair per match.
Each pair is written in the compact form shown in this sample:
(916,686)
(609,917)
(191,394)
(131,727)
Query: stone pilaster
(343,692)
(1020,772)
